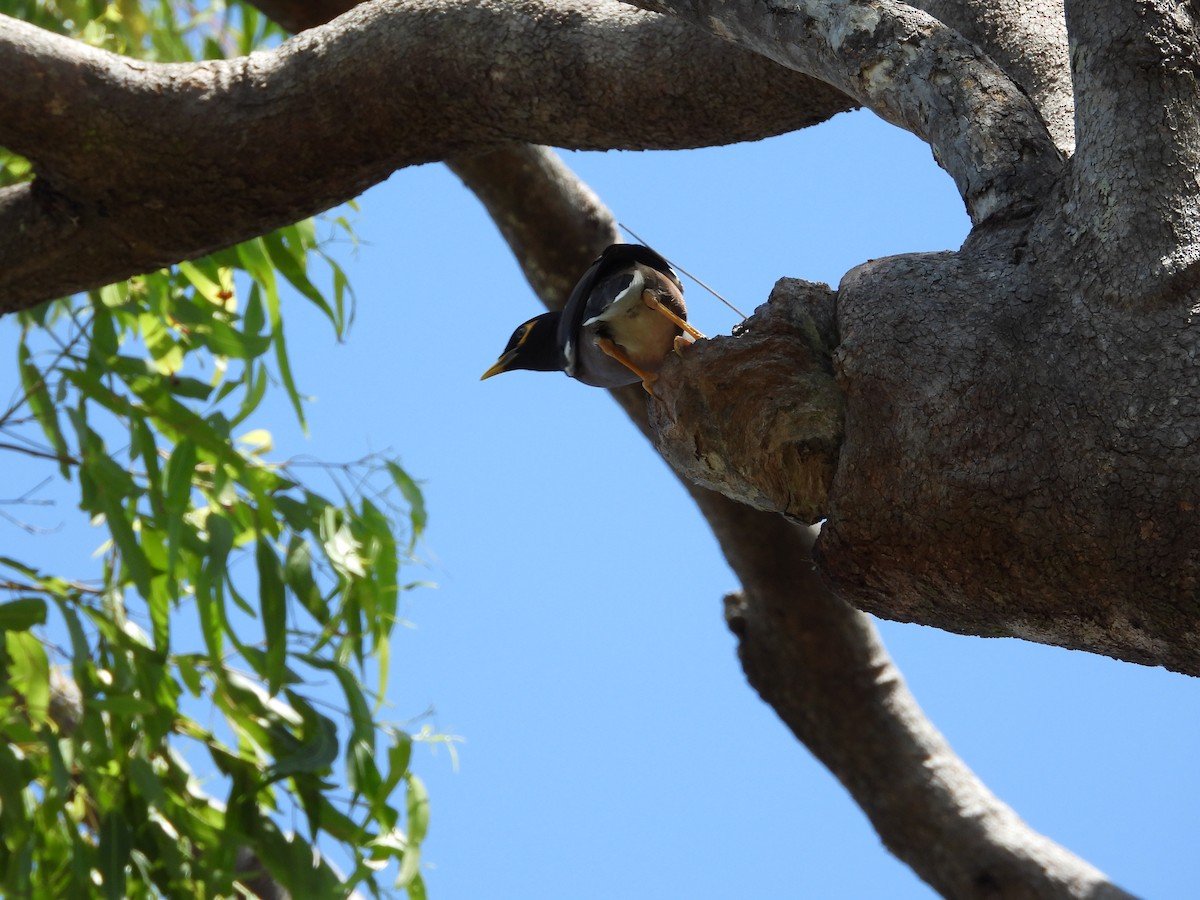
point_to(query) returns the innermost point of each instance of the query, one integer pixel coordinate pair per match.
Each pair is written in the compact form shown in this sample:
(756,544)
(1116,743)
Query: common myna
(620,322)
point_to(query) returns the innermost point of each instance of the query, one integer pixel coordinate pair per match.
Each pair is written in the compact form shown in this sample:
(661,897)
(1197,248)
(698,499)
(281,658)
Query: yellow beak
(500,365)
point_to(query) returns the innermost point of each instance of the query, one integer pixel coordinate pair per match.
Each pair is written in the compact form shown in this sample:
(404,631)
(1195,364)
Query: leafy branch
(229,588)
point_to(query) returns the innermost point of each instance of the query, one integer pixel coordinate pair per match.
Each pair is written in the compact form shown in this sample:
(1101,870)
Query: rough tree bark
(1021,416)
(226,150)
(1000,437)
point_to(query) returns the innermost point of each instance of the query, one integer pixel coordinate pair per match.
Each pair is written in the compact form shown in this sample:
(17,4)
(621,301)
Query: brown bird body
(622,319)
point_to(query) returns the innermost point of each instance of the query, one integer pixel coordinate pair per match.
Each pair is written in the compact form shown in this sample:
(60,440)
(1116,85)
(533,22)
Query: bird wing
(579,308)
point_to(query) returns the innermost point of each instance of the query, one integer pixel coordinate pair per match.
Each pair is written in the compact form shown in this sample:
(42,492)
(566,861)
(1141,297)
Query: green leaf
(42,407)
(274,612)
(166,352)
(293,863)
(114,296)
(410,866)
(319,748)
(416,501)
(255,317)
(80,651)
(289,259)
(116,840)
(191,388)
(22,614)
(148,784)
(257,262)
(362,725)
(256,381)
(29,673)
(417,805)
(181,467)
(362,773)
(189,674)
(177,494)
(105,342)
(399,755)
(416,888)
(158,602)
(210,596)
(15,775)
(204,285)
(113,485)
(297,573)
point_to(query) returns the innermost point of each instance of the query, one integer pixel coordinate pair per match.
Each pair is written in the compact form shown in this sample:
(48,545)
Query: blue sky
(611,746)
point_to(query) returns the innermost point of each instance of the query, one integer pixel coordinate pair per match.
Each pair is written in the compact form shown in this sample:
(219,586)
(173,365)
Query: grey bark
(1002,438)
(1020,417)
(912,70)
(141,165)
(1132,205)
(1028,40)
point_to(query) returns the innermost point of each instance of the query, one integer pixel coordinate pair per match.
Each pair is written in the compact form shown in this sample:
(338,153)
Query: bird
(621,320)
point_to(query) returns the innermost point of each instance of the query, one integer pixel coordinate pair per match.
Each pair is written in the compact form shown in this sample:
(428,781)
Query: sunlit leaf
(29,672)
(288,258)
(417,810)
(257,262)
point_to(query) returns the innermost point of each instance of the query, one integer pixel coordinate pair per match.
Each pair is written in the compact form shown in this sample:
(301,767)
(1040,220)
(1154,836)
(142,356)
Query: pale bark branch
(1135,212)
(913,71)
(140,165)
(1028,38)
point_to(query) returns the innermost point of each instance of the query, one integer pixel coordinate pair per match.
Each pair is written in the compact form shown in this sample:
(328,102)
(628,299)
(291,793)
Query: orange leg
(651,301)
(610,348)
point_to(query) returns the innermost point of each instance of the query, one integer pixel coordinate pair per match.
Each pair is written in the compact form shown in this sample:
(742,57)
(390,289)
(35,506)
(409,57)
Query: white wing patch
(569,357)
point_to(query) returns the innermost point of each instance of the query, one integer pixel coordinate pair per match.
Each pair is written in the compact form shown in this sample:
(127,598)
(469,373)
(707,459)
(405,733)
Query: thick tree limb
(773,443)
(1028,38)
(821,666)
(141,165)
(817,661)
(913,71)
(1134,216)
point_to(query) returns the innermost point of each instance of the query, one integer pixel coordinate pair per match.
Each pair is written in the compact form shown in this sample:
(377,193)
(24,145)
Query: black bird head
(621,320)
(534,345)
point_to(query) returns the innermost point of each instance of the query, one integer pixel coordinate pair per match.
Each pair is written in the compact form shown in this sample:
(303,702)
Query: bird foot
(609,347)
(651,301)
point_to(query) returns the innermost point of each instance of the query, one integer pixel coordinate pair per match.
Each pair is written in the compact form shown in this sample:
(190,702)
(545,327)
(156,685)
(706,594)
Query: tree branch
(1133,177)
(774,442)
(136,161)
(821,665)
(913,71)
(818,662)
(1028,38)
